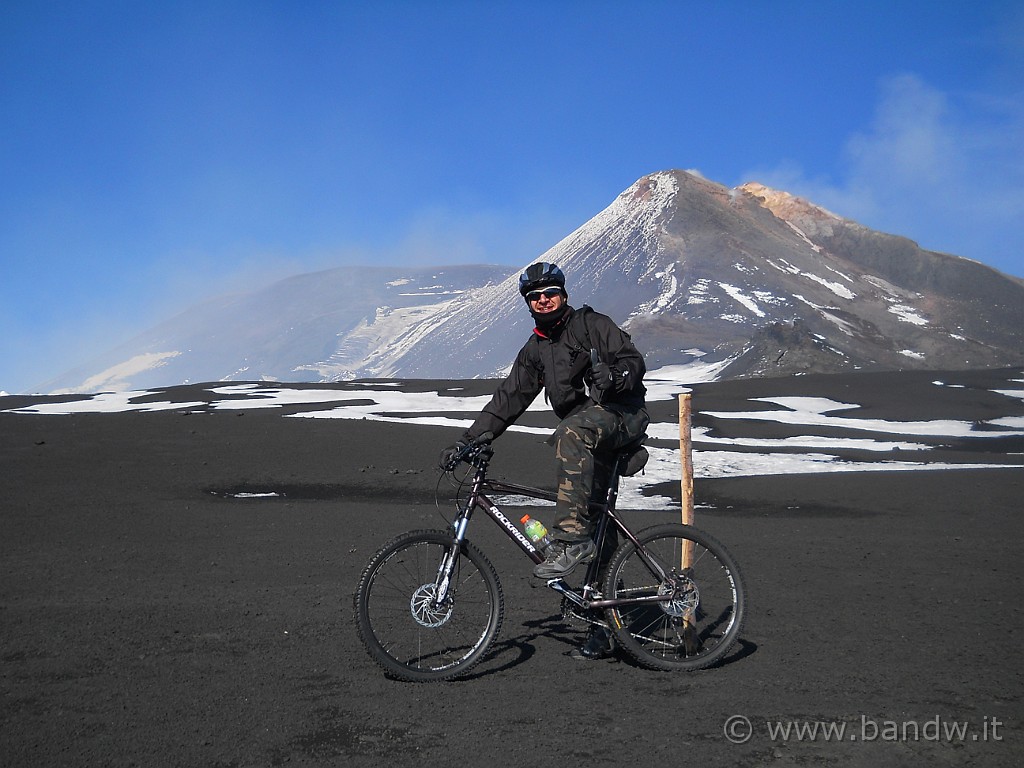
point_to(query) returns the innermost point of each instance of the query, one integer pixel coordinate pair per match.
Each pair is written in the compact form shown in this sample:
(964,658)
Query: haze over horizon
(153,156)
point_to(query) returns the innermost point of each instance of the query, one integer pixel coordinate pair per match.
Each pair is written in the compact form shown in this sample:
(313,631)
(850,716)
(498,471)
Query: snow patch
(907,314)
(669,289)
(839,290)
(740,297)
(803,236)
(117,376)
(698,293)
(105,402)
(382,401)
(767,297)
(815,411)
(389,335)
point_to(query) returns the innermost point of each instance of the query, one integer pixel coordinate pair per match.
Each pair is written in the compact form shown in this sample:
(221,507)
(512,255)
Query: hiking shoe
(562,557)
(598,645)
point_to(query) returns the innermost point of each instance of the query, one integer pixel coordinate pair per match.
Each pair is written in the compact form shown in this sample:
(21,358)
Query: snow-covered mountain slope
(755,277)
(322,325)
(694,269)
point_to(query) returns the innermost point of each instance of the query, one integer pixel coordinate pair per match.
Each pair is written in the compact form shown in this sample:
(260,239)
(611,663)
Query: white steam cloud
(923,169)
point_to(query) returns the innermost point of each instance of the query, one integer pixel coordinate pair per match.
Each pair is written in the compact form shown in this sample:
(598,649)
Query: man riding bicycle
(558,358)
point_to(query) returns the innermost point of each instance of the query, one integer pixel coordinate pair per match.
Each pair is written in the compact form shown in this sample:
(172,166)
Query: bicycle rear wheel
(405,629)
(701,622)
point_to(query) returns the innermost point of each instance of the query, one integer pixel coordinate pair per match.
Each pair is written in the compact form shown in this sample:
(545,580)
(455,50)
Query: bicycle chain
(576,615)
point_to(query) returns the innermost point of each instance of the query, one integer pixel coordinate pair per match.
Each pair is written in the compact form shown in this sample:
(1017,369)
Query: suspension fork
(443,579)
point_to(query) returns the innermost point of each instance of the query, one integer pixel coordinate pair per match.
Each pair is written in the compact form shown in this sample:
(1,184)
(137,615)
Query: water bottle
(536,532)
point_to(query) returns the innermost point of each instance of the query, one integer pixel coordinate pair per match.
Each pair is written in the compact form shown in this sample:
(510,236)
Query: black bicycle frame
(477,498)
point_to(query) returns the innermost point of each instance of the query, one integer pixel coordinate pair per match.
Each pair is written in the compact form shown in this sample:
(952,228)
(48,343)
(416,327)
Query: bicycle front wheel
(408,627)
(702,618)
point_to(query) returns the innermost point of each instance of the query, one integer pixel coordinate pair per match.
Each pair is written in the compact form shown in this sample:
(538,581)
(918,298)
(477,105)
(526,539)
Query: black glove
(603,376)
(448,454)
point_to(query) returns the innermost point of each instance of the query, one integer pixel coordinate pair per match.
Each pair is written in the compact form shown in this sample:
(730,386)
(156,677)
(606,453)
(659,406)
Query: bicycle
(429,604)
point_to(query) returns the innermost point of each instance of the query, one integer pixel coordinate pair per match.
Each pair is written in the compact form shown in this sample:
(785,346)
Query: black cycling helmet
(541,275)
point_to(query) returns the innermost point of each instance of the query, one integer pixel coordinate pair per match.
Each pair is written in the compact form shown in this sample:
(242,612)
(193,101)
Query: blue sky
(153,154)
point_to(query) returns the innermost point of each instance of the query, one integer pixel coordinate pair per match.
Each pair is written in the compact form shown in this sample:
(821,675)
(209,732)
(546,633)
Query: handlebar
(471,453)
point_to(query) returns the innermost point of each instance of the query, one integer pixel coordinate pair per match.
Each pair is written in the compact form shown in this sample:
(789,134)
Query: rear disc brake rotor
(686,596)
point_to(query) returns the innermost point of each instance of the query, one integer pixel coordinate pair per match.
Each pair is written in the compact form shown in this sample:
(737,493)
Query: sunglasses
(549,292)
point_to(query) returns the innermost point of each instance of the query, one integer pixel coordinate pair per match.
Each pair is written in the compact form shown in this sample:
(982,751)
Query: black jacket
(560,365)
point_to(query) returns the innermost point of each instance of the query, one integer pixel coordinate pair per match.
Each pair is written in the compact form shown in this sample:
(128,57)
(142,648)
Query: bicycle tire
(412,639)
(697,629)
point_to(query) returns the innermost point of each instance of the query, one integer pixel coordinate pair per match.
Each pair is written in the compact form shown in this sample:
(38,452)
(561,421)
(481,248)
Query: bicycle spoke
(701,618)
(403,625)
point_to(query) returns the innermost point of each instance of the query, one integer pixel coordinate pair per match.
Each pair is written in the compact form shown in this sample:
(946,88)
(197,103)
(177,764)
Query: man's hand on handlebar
(462,449)
(451,455)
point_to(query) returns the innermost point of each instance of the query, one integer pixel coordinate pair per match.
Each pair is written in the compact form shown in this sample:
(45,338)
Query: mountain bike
(429,604)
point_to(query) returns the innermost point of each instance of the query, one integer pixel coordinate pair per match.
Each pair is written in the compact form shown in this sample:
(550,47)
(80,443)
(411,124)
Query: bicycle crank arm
(560,586)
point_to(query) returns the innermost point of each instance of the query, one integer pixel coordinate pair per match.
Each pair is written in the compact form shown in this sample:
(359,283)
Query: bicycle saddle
(633,457)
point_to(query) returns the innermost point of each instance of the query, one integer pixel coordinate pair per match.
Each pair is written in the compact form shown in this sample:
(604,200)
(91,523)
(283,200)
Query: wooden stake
(686,476)
(686,458)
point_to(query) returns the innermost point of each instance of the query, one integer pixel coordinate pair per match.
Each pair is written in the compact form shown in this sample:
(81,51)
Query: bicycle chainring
(587,617)
(573,613)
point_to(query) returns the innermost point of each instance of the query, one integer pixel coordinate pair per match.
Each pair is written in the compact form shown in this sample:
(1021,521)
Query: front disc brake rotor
(426,611)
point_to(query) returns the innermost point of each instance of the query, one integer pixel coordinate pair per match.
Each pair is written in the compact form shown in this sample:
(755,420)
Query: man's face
(544,300)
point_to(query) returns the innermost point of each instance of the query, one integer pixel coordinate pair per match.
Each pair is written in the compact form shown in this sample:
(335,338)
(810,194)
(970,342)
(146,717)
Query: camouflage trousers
(585,444)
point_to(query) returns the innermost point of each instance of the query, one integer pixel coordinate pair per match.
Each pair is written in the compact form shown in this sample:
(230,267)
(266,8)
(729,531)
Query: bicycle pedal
(537,584)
